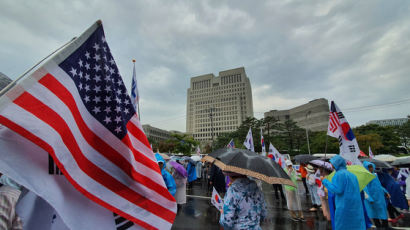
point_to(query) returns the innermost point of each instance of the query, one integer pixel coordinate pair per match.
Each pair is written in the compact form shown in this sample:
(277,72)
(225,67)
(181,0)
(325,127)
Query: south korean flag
(340,129)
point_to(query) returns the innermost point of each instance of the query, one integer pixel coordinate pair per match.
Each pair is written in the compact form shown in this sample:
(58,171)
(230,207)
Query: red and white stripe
(334,122)
(121,175)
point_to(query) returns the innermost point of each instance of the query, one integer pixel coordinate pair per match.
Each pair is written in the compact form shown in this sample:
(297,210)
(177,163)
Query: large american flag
(77,108)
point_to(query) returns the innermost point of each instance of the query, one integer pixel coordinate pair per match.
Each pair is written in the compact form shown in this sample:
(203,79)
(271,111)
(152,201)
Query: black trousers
(304,184)
(393,213)
(277,187)
(380,223)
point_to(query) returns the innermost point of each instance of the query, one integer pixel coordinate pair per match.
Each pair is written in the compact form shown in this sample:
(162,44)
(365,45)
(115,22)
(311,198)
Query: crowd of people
(341,200)
(343,203)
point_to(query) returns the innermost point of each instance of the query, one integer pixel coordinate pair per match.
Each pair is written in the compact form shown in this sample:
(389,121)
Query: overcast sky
(356,53)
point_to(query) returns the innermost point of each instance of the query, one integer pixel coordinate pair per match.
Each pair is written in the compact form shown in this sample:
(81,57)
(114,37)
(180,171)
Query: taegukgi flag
(249,141)
(276,156)
(76,109)
(263,144)
(231,144)
(339,128)
(216,200)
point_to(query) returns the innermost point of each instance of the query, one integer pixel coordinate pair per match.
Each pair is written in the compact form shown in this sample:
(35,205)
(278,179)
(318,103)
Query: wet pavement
(199,213)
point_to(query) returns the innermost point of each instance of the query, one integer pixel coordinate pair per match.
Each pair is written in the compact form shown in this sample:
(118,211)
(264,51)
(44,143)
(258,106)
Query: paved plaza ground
(199,213)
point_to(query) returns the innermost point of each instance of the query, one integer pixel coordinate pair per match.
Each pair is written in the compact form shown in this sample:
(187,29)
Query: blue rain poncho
(345,187)
(397,197)
(168,179)
(375,200)
(191,169)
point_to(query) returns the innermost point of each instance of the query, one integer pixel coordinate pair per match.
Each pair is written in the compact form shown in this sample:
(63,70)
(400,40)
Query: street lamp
(307,133)
(212,124)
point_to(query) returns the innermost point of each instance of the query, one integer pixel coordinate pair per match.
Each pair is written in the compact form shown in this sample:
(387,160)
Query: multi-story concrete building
(156,134)
(219,104)
(389,122)
(313,116)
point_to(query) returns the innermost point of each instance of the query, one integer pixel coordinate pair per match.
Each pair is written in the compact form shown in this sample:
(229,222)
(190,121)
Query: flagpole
(138,104)
(5,89)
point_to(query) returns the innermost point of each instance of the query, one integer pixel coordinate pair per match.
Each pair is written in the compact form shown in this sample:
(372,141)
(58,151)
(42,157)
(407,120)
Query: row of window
(217,124)
(222,93)
(231,79)
(216,88)
(201,84)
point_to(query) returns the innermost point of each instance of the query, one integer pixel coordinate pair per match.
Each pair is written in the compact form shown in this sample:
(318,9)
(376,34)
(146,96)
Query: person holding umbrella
(292,196)
(244,204)
(168,179)
(375,199)
(313,188)
(180,176)
(348,204)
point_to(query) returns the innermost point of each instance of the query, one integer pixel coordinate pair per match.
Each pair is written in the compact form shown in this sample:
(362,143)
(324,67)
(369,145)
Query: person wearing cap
(292,196)
(313,188)
(244,204)
(348,203)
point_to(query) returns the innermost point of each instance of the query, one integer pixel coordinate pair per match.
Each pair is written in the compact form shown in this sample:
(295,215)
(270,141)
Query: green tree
(389,137)
(373,140)
(183,143)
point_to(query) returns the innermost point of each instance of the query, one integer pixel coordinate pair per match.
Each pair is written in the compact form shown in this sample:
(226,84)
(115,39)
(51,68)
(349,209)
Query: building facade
(219,104)
(389,122)
(313,116)
(156,134)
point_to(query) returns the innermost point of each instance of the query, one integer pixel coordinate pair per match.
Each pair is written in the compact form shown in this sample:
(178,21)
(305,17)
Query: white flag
(340,129)
(198,151)
(263,144)
(370,153)
(249,141)
(217,200)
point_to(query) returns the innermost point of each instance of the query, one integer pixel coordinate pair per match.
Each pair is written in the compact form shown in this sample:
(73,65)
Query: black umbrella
(379,164)
(249,163)
(305,158)
(402,162)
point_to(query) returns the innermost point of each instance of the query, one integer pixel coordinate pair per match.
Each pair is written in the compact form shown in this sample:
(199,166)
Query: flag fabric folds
(231,144)
(263,144)
(77,109)
(216,200)
(370,153)
(135,97)
(276,156)
(339,128)
(249,141)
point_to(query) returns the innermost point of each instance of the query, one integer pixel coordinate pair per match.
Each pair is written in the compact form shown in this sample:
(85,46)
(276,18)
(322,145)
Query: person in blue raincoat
(191,170)
(345,187)
(375,200)
(397,198)
(168,179)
